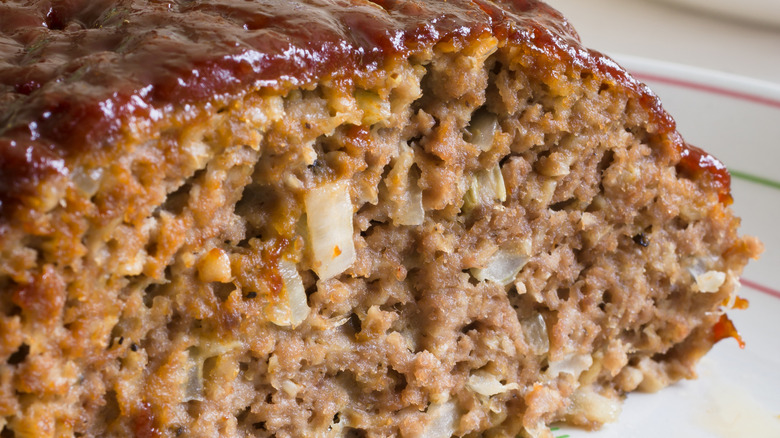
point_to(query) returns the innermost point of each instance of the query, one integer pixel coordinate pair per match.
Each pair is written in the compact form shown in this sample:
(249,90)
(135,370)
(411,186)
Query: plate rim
(756,11)
(728,84)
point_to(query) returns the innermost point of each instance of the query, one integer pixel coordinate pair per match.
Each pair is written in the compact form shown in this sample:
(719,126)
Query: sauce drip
(724,328)
(740,303)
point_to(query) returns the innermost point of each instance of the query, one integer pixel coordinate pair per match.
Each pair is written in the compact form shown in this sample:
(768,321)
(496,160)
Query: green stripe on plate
(755,179)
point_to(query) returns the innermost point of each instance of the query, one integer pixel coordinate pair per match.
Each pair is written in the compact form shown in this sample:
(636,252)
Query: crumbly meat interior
(473,240)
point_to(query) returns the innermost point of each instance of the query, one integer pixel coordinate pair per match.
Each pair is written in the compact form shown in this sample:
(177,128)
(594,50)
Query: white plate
(738,390)
(763,11)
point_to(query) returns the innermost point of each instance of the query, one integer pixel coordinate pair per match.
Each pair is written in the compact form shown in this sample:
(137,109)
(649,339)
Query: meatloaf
(341,218)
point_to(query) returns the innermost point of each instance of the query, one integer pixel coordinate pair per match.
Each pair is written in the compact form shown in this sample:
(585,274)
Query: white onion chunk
(329,220)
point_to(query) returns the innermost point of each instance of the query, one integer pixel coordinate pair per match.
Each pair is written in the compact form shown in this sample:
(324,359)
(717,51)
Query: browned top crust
(74,74)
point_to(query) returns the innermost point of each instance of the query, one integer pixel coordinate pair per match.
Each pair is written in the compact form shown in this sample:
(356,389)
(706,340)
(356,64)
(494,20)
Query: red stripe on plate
(760,287)
(708,88)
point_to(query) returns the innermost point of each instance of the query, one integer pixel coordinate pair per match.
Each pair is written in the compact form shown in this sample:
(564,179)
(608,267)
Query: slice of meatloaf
(341,218)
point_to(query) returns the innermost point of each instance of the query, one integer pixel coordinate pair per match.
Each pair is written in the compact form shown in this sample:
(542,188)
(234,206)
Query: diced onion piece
(329,221)
(535,331)
(196,356)
(594,406)
(199,154)
(699,265)
(194,384)
(488,384)
(411,211)
(547,192)
(214,266)
(483,128)
(293,285)
(710,281)
(87,181)
(471,197)
(375,109)
(292,308)
(556,164)
(494,182)
(484,186)
(574,365)
(402,187)
(291,388)
(441,420)
(502,267)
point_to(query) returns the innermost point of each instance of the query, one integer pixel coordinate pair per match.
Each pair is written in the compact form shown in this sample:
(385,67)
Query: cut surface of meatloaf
(341,218)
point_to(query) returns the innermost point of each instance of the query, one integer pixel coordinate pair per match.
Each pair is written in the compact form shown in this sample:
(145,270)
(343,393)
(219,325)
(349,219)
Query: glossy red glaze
(696,163)
(73,73)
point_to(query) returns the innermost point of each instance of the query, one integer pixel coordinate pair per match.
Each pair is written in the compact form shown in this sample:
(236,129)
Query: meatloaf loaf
(341,218)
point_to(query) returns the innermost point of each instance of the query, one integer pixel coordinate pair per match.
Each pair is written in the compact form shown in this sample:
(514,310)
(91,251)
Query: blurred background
(734,36)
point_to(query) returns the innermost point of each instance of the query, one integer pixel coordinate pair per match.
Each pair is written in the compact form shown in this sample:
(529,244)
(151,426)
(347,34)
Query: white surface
(738,392)
(760,11)
(662,31)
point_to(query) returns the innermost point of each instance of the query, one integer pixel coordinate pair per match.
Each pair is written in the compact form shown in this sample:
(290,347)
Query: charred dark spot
(251,295)
(56,19)
(641,239)
(133,347)
(19,355)
(355,324)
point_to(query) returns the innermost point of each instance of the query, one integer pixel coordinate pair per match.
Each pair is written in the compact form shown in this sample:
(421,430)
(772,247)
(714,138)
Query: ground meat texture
(475,237)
